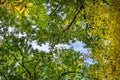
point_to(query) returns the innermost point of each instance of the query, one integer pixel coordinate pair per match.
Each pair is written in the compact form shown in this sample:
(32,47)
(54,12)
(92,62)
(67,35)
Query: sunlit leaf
(26,13)
(29,4)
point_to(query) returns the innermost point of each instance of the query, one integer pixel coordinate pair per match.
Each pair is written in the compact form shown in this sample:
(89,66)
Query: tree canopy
(95,23)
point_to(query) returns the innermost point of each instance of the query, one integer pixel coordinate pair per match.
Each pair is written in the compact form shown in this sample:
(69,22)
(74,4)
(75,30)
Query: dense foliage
(94,22)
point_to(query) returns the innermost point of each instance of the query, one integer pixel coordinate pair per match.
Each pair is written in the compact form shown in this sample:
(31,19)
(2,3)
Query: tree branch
(104,1)
(66,73)
(35,77)
(72,72)
(78,10)
(71,22)
(54,10)
(22,64)
(4,76)
(58,7)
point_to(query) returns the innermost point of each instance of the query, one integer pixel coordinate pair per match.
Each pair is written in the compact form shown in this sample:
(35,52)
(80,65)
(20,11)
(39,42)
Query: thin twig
(22,64)
(4,76)
(58,7)
(35,77)
(54,10)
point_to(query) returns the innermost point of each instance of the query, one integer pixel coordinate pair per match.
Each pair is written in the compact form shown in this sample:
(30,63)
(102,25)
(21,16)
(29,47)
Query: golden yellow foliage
(17,7)
(108,54)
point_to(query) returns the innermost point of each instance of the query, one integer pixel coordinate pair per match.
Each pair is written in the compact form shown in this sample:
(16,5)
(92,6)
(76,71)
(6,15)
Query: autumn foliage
(96,23)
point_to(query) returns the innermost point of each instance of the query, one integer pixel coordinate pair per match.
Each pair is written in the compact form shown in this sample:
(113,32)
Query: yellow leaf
(60,68)
(15,3)
(29,4)
(27,10)
(17,8)
(12,9)
(3,2)
(21,9)
(79,63)
(26,13)
(20,0)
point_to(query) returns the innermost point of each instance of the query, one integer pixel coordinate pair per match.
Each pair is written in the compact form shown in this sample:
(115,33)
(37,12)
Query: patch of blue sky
(79,47)
(90,61)
(48,8)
